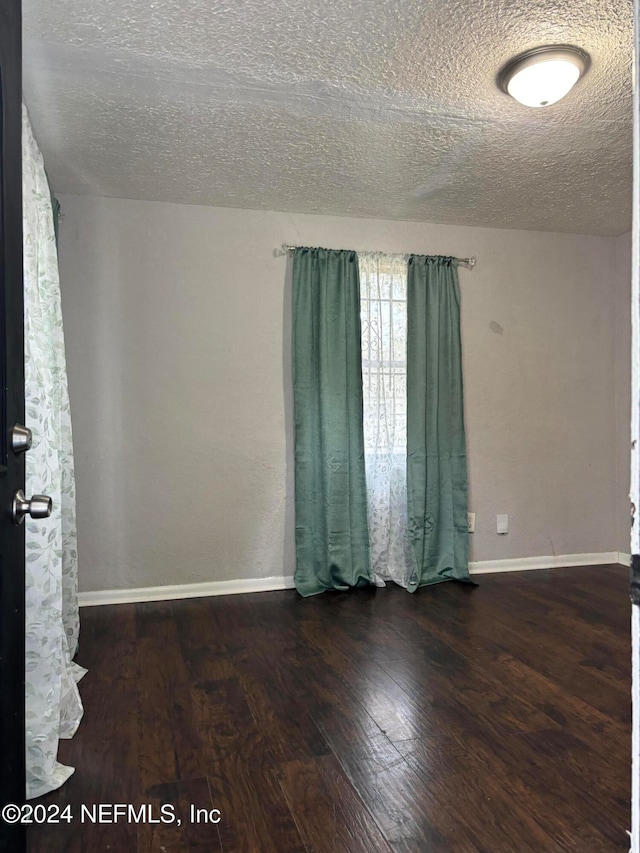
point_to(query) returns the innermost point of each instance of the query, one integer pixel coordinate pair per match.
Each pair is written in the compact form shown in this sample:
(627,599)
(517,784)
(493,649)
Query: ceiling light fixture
(542,76)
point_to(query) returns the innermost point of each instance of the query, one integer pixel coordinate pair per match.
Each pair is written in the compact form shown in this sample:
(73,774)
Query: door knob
(21,438)
(39,506)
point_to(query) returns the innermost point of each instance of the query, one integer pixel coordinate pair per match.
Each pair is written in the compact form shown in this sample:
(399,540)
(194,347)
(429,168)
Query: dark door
(12,758)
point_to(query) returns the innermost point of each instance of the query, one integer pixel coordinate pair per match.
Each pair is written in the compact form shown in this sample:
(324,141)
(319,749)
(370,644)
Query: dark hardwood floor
(494,719)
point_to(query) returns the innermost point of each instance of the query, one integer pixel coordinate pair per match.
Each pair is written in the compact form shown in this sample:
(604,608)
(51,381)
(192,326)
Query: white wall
(178,358)
(622,334)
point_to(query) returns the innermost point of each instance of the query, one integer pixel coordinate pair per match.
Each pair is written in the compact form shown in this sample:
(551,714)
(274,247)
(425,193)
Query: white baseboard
(561,561)
(199,590)
(624,559)
(186,590)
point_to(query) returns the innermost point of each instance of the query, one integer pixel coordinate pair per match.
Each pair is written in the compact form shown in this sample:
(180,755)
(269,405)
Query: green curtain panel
(332,540)
(436,453)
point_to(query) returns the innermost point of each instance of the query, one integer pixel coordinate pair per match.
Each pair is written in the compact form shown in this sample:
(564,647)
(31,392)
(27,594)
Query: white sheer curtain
(53,706)
(383,292)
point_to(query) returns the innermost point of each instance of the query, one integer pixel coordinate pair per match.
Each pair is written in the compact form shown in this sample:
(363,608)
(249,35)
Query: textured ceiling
(350,107)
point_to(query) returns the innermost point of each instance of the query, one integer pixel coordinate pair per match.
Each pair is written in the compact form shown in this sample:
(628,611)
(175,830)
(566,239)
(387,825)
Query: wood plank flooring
(494,719)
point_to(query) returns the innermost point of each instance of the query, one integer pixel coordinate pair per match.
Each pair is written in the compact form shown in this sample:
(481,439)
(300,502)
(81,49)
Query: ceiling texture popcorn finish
(354,107)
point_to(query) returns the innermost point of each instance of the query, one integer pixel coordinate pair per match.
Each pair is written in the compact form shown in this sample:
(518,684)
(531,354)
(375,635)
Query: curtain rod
(462,262)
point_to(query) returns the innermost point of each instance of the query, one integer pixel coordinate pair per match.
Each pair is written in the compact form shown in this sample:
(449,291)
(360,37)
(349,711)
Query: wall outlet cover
(502,524)
(471,522)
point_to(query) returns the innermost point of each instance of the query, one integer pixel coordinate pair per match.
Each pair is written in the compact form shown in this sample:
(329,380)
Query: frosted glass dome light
(542,76)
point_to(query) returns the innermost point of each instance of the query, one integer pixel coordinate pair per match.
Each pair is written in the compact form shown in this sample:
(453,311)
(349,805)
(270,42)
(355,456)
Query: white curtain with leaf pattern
(383,295)
(53,705)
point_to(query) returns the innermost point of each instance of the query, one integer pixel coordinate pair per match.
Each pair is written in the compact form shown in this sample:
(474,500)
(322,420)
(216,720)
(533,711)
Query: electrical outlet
(471,522)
